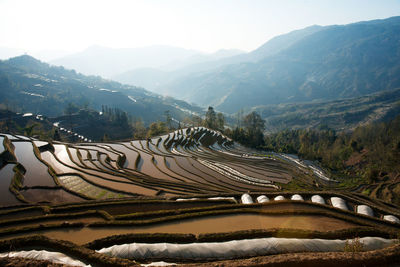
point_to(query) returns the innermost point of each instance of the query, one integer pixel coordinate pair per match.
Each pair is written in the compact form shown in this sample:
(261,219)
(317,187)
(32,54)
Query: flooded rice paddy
(192,181)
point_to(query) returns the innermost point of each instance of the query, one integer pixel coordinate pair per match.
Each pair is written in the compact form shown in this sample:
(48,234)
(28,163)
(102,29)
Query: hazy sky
(205,25)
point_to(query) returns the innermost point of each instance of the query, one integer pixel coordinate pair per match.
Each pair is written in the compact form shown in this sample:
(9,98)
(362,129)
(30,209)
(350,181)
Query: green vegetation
(157,129)
(369,154)
(29,85)
(111,125)
(370,151)
(339,115)
(12,123)
(116,116)
(252,133)
(213,120)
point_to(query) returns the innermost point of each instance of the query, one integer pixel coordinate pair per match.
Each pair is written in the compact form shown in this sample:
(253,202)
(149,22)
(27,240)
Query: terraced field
(192,196)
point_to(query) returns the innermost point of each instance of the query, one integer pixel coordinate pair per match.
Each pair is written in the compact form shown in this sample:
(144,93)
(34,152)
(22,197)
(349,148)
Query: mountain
(29,85)
(155,79)
(150,78)
(316,63)
(158,80)
(200,58)
(340,115)
(107,62)
(280,43)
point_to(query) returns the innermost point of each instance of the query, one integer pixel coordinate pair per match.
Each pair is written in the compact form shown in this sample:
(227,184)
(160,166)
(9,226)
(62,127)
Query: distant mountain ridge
(29,85)
(108,62)
(316,63)
(155,78)
(160,81)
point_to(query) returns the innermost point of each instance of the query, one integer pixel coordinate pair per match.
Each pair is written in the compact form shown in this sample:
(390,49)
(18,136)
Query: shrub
(353,245)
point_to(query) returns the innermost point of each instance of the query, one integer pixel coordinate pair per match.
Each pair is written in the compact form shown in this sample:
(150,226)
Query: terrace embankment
(384,257)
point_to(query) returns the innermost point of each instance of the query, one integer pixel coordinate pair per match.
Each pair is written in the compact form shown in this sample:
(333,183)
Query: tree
(139,129)
(157,128)
(197,121)
(187,121)
(254,123)
(56,135)
(70,109)
(28,130)
(254,126)
(168,118)
(239,118)
(105,138)
(220,121)
(211,118)
(239,135)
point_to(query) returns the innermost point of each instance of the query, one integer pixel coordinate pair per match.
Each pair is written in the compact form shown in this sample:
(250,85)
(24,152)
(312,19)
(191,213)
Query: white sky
(205,25)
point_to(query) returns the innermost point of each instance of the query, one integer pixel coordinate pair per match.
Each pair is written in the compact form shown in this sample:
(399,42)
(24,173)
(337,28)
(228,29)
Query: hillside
(323,63)
(28,85)
(155,79)
(83,125)
(340,115)
(191,196)
(365,158)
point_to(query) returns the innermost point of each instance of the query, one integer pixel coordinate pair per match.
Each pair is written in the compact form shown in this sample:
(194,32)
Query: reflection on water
(1,144)
(215,224)
(6,175)
(36,172)
(50,195)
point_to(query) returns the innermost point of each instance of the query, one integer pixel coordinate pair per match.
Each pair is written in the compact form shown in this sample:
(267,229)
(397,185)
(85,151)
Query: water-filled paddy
(50,196)
(6,197)
(213,224)
(36,172)
(1,144)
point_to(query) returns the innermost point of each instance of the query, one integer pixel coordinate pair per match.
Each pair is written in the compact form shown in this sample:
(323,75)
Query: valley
(280,149)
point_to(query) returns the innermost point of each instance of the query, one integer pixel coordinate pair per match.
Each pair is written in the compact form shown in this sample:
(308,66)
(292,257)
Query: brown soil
(22,262)
(356,158)
(86,220)
(20,214)
(153,206)
(384,257)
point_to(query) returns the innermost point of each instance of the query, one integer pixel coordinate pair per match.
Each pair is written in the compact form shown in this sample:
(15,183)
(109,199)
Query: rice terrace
(200,133)
(191,197)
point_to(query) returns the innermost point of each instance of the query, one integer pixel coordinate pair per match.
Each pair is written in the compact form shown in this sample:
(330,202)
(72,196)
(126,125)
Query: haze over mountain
(315,63)
(44,55)
(29,85)
(107,62)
